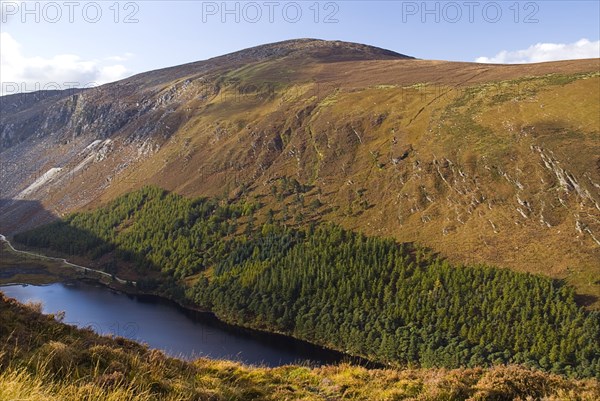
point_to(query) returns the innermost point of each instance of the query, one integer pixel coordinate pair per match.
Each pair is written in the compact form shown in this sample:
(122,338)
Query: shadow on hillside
(585,300)
(18,215)
(30,227)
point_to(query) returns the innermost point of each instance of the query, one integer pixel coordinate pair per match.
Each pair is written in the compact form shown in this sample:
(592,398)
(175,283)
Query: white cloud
(124,57)
(19,73)
(112,73)
(546,52)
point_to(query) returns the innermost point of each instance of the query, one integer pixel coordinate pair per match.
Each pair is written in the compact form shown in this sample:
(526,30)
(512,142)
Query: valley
(438,218)
(398,304)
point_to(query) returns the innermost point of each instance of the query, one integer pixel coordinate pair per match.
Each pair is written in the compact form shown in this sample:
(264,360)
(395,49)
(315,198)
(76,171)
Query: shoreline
(339,356)
(66,262)
(123,287)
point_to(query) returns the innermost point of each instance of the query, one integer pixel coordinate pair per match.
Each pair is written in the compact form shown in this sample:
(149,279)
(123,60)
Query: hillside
(42,359)
(397,304)
(482,163)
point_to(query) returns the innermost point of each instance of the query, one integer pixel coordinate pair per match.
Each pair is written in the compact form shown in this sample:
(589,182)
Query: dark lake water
(166,326)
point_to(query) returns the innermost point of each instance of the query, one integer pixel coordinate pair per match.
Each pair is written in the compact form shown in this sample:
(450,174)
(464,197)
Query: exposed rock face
(143,111)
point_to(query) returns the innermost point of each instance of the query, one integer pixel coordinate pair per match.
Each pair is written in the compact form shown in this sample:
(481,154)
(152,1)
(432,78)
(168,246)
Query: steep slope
(483,163)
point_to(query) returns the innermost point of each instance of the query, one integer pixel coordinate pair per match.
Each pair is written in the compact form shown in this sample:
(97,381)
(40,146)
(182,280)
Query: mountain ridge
(483,163)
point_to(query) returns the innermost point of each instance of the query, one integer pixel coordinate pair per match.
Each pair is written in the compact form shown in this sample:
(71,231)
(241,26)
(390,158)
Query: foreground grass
(224,381)
(43,359)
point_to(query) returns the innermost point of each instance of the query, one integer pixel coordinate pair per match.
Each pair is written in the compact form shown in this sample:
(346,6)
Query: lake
(166,326)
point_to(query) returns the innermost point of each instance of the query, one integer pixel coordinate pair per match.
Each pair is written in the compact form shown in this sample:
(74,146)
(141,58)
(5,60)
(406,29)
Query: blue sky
(85,41)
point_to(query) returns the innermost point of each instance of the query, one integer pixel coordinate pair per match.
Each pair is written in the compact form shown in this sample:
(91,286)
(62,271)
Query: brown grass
(42,359)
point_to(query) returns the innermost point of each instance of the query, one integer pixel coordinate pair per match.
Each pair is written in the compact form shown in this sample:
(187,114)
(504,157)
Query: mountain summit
(298,52)
(324,50)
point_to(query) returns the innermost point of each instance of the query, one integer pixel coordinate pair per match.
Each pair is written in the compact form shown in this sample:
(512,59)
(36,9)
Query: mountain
(495,164)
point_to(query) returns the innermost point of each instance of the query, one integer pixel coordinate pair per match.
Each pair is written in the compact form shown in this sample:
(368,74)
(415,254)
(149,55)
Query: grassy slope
(19,267)
(16,268)
(42,359)
(474,185)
